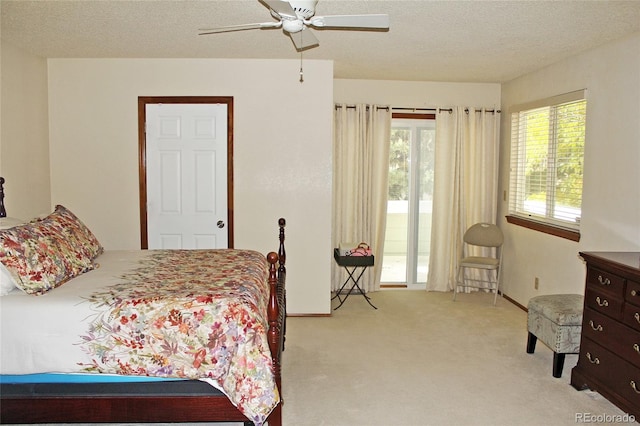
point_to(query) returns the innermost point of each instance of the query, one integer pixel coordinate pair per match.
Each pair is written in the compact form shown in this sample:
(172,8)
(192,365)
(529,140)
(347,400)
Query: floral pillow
(76,235)
(45,254)
(34,258)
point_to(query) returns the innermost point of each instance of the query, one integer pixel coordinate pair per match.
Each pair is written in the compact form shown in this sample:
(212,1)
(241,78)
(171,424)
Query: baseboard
(524,308)
(309,315)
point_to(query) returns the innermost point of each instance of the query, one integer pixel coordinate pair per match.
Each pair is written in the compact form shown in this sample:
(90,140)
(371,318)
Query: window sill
(543,227)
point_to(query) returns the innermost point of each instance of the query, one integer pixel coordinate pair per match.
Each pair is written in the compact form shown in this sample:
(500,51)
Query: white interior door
(186,162)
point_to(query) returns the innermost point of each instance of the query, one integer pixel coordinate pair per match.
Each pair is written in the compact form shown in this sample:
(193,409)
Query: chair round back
(484,234)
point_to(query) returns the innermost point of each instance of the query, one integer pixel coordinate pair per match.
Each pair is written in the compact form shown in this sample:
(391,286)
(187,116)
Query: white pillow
(7,282)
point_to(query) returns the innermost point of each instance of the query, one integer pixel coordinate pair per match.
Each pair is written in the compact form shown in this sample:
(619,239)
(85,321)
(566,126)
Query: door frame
(142,154)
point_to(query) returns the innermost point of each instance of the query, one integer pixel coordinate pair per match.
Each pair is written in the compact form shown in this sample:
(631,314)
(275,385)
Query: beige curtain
(465,185)
(360,176)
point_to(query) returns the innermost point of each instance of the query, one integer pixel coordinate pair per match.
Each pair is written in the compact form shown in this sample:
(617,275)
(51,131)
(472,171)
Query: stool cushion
(563,309)
(556,320)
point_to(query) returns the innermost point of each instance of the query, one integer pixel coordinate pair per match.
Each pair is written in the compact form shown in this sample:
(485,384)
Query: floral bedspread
(194,314)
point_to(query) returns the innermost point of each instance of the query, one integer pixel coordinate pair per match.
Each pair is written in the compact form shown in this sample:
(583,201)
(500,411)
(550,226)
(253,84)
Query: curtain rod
(443,109)
(353,106)
(495,111)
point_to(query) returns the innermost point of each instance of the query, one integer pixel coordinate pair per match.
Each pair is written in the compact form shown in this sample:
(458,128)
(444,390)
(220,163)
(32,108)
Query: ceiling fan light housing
(292,25)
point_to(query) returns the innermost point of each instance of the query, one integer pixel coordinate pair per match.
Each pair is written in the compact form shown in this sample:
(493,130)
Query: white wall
(24,149)
(611,192)
(416,94)
(282,152)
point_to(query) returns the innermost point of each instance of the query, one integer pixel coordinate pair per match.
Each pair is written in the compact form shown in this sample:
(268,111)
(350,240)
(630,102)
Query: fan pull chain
(301,72)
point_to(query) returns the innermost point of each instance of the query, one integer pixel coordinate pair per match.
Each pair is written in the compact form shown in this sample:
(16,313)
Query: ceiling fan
(296,17)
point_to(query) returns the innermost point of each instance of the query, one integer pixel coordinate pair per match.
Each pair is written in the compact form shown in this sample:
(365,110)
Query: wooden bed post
(276,314)
(282,256)
(274,333)
(3,212)
(282,291)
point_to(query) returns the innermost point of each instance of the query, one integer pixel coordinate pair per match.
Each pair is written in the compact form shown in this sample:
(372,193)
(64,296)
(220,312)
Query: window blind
(547,155)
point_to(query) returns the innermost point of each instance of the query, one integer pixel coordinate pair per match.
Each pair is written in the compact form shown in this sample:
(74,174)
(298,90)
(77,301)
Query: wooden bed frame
(166,402)
(3,212)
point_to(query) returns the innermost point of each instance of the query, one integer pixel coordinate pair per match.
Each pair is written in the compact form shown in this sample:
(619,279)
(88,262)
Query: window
(408,232)
(547,151)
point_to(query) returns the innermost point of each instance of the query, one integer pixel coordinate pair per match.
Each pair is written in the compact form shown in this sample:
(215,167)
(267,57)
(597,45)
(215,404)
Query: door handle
(220,224)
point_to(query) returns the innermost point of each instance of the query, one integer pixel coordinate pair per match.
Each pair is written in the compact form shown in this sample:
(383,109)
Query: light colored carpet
(422,359)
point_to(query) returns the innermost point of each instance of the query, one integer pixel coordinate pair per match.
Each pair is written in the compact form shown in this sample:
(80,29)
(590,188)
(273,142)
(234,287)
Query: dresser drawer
(597,361)
(632,316)
(609,369)
(605,281)
(604,302)
(633,293)
(613,335)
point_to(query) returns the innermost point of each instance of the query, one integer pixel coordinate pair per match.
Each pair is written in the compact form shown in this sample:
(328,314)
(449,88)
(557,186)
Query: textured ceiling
(456,41)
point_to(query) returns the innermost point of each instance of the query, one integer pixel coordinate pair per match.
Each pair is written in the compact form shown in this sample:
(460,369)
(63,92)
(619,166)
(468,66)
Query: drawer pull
(634,386)
(634,293)
(637,317)
(594,327)
(593,360)
(602,302)
(604,281)
(636,347)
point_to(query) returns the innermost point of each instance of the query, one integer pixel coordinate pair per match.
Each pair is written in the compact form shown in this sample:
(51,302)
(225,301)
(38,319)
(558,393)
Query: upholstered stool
(556,320)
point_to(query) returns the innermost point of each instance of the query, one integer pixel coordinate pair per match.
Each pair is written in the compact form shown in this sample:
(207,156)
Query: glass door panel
(409,206)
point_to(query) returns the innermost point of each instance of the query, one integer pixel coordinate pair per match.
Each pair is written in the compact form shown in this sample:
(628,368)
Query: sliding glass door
(407,238)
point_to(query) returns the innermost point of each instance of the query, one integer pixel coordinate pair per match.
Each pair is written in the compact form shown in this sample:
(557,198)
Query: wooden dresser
(609,360)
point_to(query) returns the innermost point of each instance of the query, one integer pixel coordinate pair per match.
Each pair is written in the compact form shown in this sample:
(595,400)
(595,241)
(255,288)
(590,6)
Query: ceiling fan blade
(281,8)
(240,27)
(350,21)
(304,39)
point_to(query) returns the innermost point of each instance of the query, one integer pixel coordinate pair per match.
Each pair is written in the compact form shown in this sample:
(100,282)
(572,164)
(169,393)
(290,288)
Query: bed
(139,335)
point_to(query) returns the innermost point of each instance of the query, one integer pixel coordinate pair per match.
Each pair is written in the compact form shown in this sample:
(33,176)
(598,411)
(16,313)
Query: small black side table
(353,262)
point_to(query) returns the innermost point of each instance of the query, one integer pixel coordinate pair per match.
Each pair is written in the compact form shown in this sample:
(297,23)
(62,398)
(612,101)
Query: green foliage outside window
(569,166)
(399,164)
(568,150)
(399,158)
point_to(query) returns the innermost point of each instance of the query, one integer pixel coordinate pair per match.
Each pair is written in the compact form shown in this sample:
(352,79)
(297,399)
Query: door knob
(220,224)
